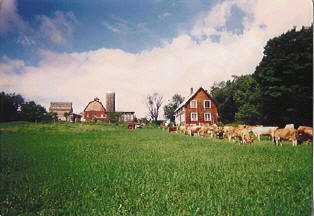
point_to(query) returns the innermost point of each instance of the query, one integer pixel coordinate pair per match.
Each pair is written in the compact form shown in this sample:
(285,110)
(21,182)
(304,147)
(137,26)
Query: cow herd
(245,133)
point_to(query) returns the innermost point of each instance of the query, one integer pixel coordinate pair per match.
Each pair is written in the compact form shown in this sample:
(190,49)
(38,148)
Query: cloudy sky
(77,50)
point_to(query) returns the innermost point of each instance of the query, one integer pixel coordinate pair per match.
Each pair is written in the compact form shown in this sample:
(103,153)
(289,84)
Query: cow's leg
(259,137)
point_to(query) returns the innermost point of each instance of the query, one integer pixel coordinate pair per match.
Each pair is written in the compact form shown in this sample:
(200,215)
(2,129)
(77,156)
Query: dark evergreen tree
(30,111)
(10,106)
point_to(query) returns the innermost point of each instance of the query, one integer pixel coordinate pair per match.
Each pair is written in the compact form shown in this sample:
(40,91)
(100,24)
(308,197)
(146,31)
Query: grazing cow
(304,134)
(241,126)
(183,129)
(285,134)
(193,130)
(219,132)
(265,131)
(289,126)
(245,136)
(172,128)
(229,132)
(203,130)
(250,127)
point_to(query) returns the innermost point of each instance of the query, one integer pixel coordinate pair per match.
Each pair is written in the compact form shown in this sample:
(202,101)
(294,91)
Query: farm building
(126,116)
(61,108)
(94,111)
(197,108)
(110,101)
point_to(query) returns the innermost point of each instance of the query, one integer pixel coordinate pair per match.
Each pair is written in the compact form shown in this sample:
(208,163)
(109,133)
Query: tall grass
(102,169)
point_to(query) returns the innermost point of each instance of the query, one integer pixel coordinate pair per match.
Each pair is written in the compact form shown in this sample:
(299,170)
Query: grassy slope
(99,169)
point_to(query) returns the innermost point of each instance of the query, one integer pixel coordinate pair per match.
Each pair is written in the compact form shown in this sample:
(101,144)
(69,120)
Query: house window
(102,115)
(207,116)
(193,104)
(194,116)
(207,104)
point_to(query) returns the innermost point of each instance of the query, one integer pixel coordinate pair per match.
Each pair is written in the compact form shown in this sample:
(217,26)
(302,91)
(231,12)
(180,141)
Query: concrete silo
(110,101)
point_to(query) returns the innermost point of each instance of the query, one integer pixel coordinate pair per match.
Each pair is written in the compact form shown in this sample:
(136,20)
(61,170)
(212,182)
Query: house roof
(190,97)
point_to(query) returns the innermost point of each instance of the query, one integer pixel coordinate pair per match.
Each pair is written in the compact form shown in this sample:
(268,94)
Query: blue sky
(132,26)
(76,50)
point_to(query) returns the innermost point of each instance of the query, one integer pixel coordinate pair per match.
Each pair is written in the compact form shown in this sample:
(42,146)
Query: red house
(95,111)
(198,108)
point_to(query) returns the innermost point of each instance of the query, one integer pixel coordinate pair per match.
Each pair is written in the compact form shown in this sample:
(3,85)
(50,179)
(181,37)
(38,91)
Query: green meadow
(103,169)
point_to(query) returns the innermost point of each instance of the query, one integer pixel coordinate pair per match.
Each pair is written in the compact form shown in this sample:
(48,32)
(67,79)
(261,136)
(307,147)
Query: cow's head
(251,139)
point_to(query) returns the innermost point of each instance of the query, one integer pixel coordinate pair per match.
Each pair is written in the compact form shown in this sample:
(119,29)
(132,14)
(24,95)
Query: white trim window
(207,116)
(194,116)
(193,104)
(207,104)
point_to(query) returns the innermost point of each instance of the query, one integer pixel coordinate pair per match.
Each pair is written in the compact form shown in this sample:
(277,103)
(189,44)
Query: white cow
(291,126)
(265,131)
(193,129)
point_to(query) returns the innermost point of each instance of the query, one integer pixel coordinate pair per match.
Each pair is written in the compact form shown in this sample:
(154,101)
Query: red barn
(198,108)
(95,111)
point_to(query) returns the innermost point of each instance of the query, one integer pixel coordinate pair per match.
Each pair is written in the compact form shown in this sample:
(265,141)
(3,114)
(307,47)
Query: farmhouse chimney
(191,92)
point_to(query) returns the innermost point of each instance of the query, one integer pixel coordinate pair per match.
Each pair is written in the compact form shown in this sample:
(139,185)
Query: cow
(193,130)
(219,132)
(229,132)
(265,131)
(183,129)
(245,136)
(203,130)
(305,133)
(289,126)
(172,128)
(285,134)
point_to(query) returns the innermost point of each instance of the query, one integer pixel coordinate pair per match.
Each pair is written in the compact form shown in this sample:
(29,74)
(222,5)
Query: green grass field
(101,169)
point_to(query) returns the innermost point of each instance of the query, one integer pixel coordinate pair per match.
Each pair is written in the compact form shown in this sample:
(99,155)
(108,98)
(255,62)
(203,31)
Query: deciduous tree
(169,109)
(153,103)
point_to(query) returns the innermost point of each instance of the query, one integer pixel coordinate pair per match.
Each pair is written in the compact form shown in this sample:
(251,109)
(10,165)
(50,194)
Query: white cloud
(58,27)
(10,20)
(173,68)
(25,41)
(164,15)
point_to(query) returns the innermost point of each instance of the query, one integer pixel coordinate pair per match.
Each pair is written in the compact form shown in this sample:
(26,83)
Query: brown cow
(219,132)
(193,129)
(305,133)
(245,136)
(173,128)
(285,134)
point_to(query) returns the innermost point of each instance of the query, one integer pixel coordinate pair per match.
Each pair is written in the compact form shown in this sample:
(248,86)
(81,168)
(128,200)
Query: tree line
(278,92)
(13,107)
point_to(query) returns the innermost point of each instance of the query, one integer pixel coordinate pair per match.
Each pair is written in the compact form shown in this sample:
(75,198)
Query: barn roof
(191,96)
(60,105)
(95,105)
